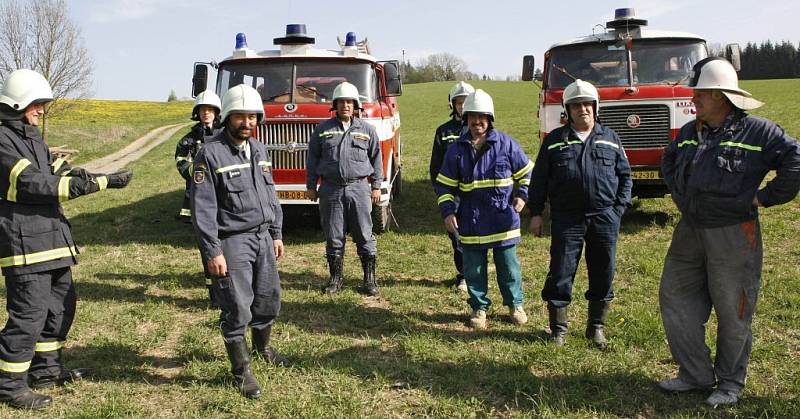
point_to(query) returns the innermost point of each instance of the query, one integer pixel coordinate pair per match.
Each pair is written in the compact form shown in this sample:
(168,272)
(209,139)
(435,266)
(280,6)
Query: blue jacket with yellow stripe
(232,193)
(340,155)
(484,183)
(34,234)
(580,178)
(713,181)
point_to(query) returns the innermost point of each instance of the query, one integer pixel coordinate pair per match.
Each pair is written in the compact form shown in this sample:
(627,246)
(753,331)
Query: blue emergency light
(241,41)
(350,39)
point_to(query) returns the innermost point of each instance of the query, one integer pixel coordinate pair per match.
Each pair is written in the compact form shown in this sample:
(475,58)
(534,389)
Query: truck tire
(380,218)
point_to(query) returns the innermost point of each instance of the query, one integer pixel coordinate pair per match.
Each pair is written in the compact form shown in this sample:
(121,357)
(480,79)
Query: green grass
(144,327)
(99,127)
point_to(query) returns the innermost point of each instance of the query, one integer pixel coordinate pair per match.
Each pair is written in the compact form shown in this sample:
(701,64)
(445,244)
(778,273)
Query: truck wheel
(380,218)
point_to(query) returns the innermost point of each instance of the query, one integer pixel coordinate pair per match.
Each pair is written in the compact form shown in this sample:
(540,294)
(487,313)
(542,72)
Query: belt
(343,182)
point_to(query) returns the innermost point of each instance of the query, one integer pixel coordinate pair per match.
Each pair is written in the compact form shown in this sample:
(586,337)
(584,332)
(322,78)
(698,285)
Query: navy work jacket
(342,156)
(232,194)
(581,177)
(713,174)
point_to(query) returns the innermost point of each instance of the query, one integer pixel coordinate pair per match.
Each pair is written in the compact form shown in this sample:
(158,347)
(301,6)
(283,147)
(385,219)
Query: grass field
(144,327)
(99,127)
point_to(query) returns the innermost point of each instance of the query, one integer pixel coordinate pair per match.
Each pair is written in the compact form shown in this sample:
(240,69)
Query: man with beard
(238,221)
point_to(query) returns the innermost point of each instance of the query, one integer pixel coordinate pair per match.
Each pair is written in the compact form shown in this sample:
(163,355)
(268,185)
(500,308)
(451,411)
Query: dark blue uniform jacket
(713,181)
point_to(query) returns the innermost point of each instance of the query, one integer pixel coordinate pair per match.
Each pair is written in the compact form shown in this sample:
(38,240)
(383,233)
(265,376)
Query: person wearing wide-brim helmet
(238,219)
(582,171)
(482,186)
(445,135)
(714,170)
(37,249)
(344,159)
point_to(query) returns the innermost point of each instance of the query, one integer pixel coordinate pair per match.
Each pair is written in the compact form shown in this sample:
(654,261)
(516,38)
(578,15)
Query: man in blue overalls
(445,135)
(344,152)
(714,169)
(582,170)
(238,220)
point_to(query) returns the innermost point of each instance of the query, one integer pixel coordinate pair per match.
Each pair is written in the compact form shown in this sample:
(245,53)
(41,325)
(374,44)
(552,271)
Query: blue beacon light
(241,41)
(350,39)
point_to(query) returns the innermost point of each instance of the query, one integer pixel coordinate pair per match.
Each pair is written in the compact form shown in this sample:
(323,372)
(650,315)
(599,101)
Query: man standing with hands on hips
(714,169)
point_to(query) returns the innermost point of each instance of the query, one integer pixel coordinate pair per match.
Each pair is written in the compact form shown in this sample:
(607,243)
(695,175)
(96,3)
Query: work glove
(120,179)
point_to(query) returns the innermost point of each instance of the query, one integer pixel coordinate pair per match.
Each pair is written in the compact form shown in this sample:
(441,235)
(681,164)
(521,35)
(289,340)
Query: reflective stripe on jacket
(484,183)
(34,235)
(713,175)
(580,177)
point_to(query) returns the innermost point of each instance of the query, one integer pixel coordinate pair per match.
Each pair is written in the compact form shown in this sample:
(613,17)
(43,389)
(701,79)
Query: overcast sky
(142,49)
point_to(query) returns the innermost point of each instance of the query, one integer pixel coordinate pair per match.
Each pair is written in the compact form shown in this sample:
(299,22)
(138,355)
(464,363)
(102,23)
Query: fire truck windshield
(312,81)
(654,61)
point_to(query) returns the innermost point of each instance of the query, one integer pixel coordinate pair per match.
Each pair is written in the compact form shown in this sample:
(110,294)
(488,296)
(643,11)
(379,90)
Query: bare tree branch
(38,34)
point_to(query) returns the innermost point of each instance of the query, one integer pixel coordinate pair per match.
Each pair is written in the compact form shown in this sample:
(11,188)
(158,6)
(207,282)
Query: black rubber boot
(29,400)
(240,367)
(262,348)
(558,324)
(598,312)
(370,286)
(37,381)
(336,268)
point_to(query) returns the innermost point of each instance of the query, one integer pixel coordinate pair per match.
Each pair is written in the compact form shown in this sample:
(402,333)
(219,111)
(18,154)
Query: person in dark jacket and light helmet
(238,221)
(36,246)
(583,172)
(714,169)
(446,134)
(206,112)
(480,171)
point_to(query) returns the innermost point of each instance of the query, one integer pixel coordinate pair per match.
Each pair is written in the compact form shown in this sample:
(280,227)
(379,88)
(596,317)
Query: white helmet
(718,74)
(479,102)
(23,87)
(346,90)
(459,89)
(242,99)
(206,98)
(580,91)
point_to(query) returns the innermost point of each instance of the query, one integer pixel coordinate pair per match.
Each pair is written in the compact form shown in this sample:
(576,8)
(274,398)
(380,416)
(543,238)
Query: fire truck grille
(287,143)
(653,130)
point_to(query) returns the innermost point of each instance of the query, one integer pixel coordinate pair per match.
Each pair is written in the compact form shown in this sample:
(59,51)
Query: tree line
(438,67)
(770,61)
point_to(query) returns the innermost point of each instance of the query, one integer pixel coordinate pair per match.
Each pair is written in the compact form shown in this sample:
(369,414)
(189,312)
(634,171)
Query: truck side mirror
(199,79)
(734,55)
(527,67)
(391,73)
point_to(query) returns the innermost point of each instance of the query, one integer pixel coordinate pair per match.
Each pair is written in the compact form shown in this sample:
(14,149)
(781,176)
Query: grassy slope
(144,327)
(99,127)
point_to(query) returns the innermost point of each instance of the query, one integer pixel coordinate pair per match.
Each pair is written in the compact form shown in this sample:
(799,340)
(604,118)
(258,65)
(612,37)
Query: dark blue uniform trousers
(599,232)
(251,293)
(344,208)
(41,308)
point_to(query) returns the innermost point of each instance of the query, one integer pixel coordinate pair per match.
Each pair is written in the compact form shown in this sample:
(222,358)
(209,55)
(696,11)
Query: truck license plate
(291,195)
(647,174)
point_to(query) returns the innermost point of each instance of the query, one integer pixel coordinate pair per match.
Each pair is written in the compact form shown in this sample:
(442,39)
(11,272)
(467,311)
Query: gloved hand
(120,179)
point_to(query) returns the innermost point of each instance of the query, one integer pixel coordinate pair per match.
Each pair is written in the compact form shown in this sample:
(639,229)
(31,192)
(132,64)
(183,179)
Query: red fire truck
(296,83)
(641,75)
